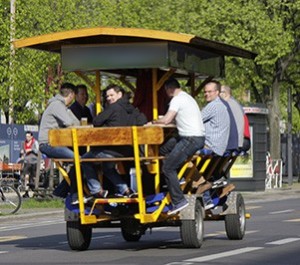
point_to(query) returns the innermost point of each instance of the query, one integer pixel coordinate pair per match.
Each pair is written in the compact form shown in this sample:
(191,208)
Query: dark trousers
(181,148)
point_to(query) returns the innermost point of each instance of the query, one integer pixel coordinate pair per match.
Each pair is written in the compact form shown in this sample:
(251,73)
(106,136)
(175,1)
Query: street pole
(11,61)
(289,138)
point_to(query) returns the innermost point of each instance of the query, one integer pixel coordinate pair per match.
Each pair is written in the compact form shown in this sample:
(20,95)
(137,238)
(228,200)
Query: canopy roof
(106,35)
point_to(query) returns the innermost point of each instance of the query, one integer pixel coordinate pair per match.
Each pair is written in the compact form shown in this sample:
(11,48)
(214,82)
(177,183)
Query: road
(273,237)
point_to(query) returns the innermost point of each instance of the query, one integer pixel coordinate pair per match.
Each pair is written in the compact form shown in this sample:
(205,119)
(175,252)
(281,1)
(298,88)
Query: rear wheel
(79,236)
(10,200)
(131,230)
(192,230)
(235,224)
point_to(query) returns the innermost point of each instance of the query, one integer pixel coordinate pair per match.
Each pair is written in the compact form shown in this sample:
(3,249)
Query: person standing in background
(30,150)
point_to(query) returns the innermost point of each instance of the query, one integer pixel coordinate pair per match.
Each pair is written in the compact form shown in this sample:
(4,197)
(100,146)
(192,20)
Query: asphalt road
(272,237)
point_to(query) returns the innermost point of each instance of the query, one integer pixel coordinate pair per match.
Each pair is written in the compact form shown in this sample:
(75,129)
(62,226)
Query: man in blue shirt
(216,119)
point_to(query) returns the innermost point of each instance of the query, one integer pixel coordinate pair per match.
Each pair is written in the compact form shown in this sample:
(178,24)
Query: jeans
(184,148)
(62,188)
(109,171)
(56,152)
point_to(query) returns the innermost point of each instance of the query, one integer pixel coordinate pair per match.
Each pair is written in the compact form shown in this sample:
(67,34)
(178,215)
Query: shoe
(26,195)
(100,195)
(62,190)
(85,200)
(127,194)
(178,207)
(209,205)
(219,183)
(130,193)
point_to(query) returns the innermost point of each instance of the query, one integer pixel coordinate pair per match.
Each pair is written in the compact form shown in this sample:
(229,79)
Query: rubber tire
(13,198)
(131,230)
(192,231)
(235,224)
(79,236)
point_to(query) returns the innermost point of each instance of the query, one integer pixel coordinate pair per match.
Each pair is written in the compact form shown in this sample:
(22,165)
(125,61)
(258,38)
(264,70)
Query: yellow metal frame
(142,215)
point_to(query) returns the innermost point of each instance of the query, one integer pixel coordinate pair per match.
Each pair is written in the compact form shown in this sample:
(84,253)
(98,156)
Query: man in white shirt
(186,113)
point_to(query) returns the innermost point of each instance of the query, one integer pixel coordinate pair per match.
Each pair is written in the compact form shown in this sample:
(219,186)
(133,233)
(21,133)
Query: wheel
(131,230)
(79,236)
(191,231)
(235,224)
(10,200)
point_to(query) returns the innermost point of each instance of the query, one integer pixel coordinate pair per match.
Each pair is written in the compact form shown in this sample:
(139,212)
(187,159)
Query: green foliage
(42,203)
(268,27)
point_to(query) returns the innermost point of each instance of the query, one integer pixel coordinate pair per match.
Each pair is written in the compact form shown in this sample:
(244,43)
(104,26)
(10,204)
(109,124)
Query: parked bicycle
(10,199)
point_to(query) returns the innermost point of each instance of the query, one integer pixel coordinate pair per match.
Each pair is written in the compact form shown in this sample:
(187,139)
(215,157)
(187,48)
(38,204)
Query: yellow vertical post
(154,94)
(155,167)
(78,174)
(98,92)
(136,150)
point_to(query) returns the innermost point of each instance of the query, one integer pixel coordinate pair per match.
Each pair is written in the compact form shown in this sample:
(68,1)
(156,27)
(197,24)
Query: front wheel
(235,224)
(10,200)
(192,230)
(131,230)
(79,236)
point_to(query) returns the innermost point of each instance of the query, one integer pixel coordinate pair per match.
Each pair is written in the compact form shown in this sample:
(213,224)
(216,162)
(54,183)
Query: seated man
(217,126)
(190,139)
(57,115)
(216,119)
(238,114)
(119,112)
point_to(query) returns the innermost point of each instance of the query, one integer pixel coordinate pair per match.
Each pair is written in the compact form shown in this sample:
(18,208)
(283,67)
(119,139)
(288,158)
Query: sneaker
(130,193)
(178,207)
(85,200)
(209,205)
(127,194)
(100,195)
(62,190)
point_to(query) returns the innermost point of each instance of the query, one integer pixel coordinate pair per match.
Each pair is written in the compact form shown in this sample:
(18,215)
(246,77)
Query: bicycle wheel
(10,200)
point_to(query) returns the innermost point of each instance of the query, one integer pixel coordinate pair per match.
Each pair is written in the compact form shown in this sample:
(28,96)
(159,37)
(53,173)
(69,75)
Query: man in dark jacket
(118,112)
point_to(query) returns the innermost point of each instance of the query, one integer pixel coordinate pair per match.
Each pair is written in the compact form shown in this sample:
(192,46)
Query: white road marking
(22,226)
(95,237)
(292,220)
(11,238)
(179,263)
(284,211)
(2,252)
(253,207)
(219,233)
(224,254)
(284,241)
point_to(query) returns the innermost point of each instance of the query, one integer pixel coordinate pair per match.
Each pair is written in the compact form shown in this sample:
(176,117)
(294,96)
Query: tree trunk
(274,121)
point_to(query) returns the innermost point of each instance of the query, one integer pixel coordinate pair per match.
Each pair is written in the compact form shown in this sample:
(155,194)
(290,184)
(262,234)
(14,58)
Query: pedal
(219,183)
(226,190)
(204,187)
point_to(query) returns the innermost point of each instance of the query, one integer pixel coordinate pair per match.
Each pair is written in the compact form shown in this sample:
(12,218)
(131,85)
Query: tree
(268,27)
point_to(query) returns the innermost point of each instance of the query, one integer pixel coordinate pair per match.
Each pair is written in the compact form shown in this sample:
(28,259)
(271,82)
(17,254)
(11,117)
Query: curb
(31,213)
(249,197)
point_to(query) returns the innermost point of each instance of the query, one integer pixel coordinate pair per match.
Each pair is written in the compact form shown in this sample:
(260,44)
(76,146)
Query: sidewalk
(250,197)
(273,194)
